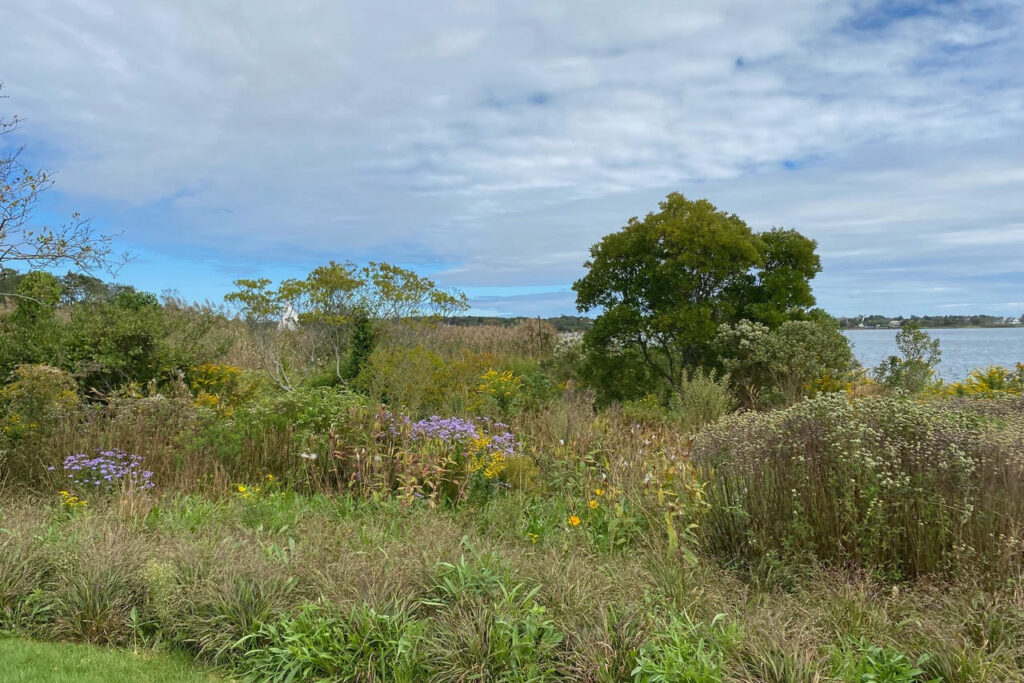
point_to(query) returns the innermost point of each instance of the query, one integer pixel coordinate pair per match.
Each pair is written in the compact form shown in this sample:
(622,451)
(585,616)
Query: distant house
(289,319)
(895,323)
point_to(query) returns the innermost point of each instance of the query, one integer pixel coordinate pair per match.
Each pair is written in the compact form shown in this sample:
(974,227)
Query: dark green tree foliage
(364,339)
(36,297)
(665,283)
(106,335)
(780,287)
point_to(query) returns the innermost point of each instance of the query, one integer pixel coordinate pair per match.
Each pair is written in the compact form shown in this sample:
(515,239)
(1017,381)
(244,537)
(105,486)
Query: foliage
(504,389)
(304,324)
(686,652)
(37,398)
(771,367)
(702,399)
(913,370)
(990,382)
(866,663)
(881,483)
(221,386)
(666,283)
(316,644)
(108,343)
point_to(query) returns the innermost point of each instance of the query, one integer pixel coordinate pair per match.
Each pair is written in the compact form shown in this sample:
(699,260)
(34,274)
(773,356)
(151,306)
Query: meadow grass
(337,588)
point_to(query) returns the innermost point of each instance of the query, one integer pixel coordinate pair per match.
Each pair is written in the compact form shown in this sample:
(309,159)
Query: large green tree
(664,284)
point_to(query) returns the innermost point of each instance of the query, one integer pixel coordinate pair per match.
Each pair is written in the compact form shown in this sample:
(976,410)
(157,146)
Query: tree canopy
(666,283)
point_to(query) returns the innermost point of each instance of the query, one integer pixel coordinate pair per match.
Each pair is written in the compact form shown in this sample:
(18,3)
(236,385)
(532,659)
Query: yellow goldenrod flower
(574,520)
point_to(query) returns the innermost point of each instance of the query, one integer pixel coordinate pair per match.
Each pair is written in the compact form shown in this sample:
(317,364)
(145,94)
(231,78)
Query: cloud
(493,143)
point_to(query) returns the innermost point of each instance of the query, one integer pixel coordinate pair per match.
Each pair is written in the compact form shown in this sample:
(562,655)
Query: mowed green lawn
(27,661)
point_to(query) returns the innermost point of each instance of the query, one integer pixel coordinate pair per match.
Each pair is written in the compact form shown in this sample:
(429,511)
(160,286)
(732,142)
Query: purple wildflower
(108,470)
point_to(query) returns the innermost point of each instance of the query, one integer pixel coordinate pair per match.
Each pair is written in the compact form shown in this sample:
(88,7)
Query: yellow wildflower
(496,466)
(533,537)
(598,492)
(574,520)
(593,504)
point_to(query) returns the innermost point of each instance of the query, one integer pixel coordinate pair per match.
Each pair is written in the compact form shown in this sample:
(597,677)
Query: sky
(490,144)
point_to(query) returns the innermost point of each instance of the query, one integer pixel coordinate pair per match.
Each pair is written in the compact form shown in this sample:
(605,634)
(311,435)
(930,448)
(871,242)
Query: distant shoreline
(937,327)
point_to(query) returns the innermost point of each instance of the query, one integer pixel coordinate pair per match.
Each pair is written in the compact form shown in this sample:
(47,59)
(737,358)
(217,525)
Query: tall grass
(893,484)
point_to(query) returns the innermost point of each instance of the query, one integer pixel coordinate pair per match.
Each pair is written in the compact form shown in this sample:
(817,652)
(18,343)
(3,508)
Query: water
(963,349)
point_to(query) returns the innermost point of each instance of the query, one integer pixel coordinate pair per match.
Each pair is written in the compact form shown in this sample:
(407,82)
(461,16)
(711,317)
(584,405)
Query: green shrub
(773,367)
(38,400)
(701,399)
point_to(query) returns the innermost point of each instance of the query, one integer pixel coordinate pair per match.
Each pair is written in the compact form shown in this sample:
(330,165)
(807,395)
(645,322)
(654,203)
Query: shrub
(37,397)
(503,390)
(771,367)
(885,483)
(221,386)
(991,381)
(33,405)
(701,399)
(414,379)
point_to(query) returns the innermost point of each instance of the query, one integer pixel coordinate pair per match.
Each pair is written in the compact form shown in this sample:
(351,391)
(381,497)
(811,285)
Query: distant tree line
(931,321)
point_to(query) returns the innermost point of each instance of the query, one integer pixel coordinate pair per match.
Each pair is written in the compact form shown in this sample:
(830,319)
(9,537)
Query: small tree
(913,369)
(334,306)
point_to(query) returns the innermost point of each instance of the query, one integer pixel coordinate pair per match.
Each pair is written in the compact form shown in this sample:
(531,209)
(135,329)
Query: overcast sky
(491,143)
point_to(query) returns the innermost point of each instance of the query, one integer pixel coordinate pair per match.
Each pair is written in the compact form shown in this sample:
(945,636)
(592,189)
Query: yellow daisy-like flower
(574,520)
(533,537)
(593,504)
(598,492)
(241,489)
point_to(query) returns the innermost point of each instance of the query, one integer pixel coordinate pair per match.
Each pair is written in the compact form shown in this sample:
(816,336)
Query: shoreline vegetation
(335,478)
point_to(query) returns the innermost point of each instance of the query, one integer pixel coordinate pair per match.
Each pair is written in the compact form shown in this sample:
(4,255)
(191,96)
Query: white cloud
(497,141)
